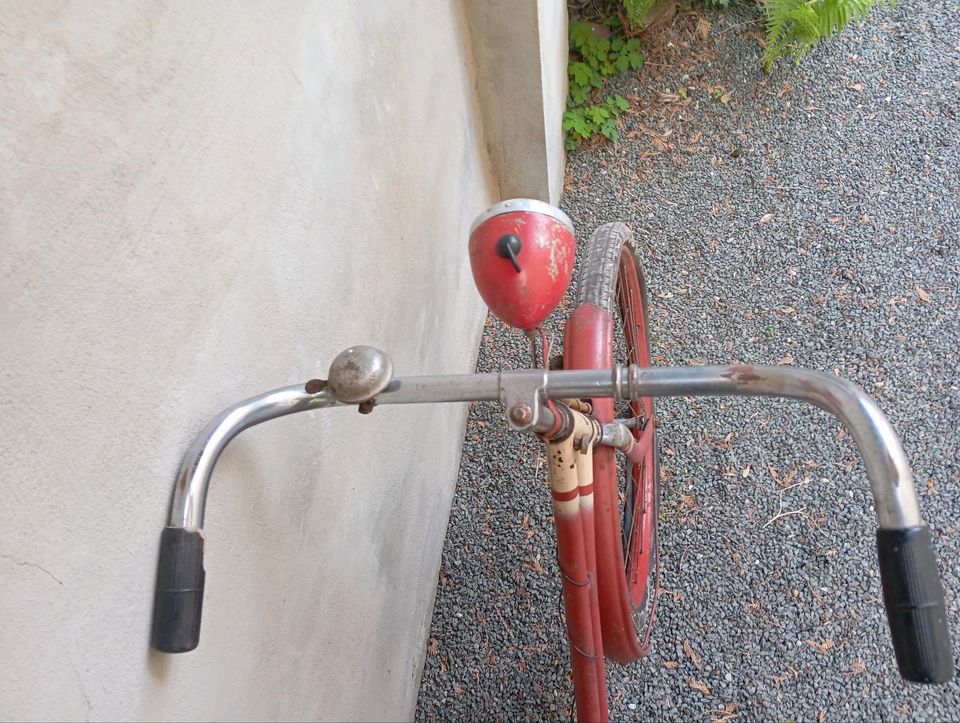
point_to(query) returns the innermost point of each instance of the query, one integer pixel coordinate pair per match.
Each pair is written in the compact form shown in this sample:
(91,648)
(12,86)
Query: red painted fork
(588,344)
(637,453)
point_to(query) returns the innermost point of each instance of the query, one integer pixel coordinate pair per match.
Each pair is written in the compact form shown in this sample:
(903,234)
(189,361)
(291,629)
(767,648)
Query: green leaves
(597,113)
(592,60)
(583,123)
(608,129)
(795,26)
(579,73)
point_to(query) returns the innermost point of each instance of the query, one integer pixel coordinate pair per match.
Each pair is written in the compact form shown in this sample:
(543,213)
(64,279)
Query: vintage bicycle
(586,406)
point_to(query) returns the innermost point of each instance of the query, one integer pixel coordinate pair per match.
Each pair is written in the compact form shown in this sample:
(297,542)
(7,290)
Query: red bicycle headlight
(521,254)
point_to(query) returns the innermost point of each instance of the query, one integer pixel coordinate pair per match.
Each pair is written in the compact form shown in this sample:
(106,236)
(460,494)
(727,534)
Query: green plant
(795,26)
(636,11)
(592,60)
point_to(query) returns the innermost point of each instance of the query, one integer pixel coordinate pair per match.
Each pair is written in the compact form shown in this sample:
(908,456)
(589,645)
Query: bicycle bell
(521,254)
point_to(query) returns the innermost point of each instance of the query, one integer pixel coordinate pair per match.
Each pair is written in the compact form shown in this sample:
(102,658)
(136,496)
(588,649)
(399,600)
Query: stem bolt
(521,414)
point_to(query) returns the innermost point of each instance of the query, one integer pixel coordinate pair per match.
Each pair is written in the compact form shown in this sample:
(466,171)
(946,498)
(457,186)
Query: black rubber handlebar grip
(916,610)
(179,596)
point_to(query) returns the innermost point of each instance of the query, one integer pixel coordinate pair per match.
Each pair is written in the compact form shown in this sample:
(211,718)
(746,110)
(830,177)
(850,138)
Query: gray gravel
(812,217)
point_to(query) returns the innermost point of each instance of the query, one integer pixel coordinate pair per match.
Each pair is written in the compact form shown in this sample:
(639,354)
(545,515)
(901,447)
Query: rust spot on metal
(367,406)
(521,414)
(743,373)
(314,386)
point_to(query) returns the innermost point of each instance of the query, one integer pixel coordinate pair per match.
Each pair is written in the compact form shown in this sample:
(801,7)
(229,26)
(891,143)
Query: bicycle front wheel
(610,326)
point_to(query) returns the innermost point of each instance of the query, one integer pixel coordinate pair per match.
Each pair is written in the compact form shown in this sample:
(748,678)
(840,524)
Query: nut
(521,414)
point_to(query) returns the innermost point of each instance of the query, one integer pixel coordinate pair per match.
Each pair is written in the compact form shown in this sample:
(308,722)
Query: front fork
(570,463)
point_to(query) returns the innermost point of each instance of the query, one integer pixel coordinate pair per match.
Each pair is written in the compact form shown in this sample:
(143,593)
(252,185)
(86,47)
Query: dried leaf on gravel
(721,444)
(670,664)
(434,647)
(698,685)
(823,647)
(703,28)
(694,658)
(786,359)
(765,219)
(726,713)
(923,294)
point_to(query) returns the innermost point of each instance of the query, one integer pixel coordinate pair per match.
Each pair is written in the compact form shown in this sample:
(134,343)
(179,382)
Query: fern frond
(795,26)
(637,11)
(778,18)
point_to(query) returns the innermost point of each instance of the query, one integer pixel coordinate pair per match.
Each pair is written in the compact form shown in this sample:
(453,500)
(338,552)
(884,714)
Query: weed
(592,60)
(793,26)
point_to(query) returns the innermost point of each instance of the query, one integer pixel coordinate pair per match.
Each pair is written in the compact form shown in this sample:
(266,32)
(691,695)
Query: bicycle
(584,407)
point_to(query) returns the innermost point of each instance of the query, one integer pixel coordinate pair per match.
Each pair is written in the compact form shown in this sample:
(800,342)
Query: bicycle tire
(612,310)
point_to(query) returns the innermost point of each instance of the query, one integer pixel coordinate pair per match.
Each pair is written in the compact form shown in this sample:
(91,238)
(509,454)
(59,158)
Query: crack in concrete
(24,563)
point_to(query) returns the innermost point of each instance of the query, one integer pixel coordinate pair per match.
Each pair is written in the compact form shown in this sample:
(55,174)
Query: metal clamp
(522,394)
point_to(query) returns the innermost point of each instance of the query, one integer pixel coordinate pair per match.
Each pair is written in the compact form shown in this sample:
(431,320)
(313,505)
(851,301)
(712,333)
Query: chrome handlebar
(887,468)
(912,591)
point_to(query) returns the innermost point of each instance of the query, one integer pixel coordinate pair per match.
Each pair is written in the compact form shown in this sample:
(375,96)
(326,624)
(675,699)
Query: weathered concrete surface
(199,202)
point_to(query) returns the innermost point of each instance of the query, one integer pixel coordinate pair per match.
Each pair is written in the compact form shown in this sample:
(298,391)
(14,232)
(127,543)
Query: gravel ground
(810,217)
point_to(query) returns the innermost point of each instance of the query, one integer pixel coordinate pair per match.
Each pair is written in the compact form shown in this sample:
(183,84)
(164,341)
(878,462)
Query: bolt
(314,386)
(521,414)
(367,406)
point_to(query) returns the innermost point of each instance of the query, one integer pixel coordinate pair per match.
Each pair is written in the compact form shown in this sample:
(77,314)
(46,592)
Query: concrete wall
(199,202)
(521,54)
(552,27)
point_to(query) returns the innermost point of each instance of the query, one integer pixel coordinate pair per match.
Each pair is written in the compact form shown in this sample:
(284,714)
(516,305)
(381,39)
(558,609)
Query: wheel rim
(639,519)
